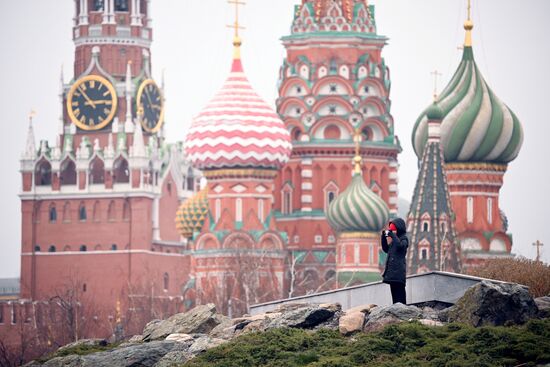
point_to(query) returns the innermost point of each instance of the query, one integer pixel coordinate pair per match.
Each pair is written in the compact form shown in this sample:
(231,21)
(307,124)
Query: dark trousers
(398,293)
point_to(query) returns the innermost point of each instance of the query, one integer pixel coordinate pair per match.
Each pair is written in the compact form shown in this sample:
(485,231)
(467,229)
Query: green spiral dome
(476,126)
(358,209)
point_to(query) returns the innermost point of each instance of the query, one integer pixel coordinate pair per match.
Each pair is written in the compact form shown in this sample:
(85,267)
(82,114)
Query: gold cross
(435,73)
(236,25)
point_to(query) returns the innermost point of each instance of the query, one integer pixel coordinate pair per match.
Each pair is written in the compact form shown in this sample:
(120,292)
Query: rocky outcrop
(494,304)
(379,317)
(200,320)
(180,338)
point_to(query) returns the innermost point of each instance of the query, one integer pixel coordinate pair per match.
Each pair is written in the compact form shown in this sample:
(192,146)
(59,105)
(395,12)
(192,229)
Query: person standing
(395,243)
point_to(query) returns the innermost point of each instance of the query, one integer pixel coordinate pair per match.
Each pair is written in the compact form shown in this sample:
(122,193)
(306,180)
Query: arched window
(470,209)
(67,248)
(84,287)
(239,210)
(296,134)
(53,214)
(330,275)
(113,247)
(36,248)
(332,132)
(490,210)
(97,247)
(166,281)
(121,174)
(83,248)
(82,216)
(43,173)
(111,211)
(68,173)
(424,255)
(51,248)
(287,202)
(97,172)
(366,134)
(425,227)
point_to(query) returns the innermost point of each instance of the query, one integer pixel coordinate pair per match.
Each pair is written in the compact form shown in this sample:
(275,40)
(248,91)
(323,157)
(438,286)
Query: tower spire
(468,25)
(236,39)
(30,147)
(357,159)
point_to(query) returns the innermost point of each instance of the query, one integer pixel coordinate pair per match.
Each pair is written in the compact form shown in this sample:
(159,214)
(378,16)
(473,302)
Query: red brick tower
(333,81)
(98,207)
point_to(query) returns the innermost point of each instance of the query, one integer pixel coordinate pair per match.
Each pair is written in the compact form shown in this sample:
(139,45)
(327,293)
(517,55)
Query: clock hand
(101,101)
(86,97)
(148,98)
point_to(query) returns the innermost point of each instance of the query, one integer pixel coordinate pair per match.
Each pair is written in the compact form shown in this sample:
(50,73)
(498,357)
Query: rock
(379,317)
(180,338)
(305,317)
(204,343)
(487,303)
(67,361)
(351,322)
(202,319)
(83,343)
(543,304)
(430,322)
(135,339)
(174,358)
(362,308)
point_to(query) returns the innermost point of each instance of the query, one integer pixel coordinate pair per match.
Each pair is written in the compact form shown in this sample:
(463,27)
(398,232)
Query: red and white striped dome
(237,129)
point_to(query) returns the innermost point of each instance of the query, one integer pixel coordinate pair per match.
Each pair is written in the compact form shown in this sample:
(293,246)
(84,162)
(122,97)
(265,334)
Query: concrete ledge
(433,286)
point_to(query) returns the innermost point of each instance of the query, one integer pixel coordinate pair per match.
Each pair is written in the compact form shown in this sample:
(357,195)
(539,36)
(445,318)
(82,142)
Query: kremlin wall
(116,230)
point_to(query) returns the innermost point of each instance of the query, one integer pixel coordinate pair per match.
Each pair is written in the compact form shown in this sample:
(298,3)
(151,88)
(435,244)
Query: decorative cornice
(354,235)
(240,173)
(476,166)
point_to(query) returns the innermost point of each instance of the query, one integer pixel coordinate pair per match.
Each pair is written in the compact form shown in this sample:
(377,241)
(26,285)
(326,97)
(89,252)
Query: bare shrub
(534,274)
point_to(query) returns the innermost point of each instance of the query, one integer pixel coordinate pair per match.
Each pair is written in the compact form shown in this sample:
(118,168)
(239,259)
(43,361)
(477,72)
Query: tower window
(121,5)
(166,280)
(298,111)
(366,88)
(331,196)
(53,214)
(287,197)
(424,255)
(51,248)
(43,174)
(470,209)
(298,89)
(121,172)
(333,88)
(425,227)
(113,247)
(82,213)
(332,109)
(37,248)
(84,287)
(83,248)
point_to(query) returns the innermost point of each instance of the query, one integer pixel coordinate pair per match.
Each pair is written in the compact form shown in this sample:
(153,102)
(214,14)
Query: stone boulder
(495,304)
(145,355)
(379,317)
(543,304)
(200,320)
(304,316)
(351,322)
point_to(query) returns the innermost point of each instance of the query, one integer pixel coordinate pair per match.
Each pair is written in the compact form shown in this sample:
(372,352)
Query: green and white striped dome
(358,209)
(476,126)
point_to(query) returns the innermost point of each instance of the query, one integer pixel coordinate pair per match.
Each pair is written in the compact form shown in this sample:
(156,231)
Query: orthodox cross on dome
(538,245)
(435,74)
(468,26)
(32,113)
(357,159)
(236,26)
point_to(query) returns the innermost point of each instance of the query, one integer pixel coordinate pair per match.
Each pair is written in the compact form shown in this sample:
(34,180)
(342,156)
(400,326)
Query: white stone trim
(307,186)
(307,199)
(307,173)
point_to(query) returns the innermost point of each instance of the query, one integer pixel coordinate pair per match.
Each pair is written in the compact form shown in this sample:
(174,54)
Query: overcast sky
(193,45)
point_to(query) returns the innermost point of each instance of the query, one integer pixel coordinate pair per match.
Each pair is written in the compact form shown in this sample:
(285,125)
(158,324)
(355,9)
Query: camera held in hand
(387,233)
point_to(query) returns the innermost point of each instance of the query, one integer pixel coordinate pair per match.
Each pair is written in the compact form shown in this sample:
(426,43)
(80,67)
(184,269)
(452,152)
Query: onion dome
(434,112)
(476,125)
(237,129)
(192,213)
(358,208)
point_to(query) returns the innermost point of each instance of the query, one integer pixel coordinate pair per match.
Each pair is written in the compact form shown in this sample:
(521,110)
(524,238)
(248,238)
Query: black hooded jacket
(396,269)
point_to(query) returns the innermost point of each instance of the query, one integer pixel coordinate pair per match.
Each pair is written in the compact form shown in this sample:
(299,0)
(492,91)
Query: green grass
(405,344)
(80,350)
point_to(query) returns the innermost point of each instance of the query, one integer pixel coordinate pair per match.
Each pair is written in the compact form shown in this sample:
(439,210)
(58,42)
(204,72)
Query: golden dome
(192,213)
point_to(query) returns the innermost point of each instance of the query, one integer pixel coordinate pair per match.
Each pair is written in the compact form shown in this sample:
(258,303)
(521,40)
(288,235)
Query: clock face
(91,102)
(149,98)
